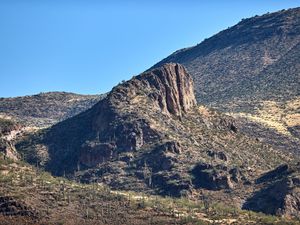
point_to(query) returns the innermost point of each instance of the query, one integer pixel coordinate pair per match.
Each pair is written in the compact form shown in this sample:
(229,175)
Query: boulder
(215,177)
(11,207)
(93,154)
(217,155)
(163,157)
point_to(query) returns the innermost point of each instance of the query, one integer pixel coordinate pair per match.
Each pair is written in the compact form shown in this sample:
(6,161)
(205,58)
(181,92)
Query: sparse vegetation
(45,109)
(61,201)
(148,154)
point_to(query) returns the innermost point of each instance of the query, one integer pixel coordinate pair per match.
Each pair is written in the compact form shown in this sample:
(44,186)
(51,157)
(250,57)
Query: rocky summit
(120,125)
(148,134)
(124,120)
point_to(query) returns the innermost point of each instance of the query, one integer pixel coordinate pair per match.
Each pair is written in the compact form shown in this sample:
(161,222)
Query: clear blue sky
(88,46)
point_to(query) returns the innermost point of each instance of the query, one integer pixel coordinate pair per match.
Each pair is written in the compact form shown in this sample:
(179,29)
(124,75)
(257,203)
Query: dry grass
(276,115)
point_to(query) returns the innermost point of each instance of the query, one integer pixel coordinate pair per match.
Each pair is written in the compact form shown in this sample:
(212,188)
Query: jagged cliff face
(150,135)
(169,89)
(173,88)
(125,120)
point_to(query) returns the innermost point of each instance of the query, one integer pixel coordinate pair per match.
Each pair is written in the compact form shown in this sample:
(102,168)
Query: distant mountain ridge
(45,109)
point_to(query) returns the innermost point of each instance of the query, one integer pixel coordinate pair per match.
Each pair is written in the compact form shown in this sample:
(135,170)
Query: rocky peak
(169,88)
(122,121)
(174,88)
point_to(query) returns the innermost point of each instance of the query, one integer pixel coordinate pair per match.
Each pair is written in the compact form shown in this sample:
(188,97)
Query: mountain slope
(242,54)
(149,135)
(252,72)
(45,109)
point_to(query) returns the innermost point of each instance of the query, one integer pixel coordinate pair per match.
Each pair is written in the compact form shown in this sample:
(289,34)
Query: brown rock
(93,154)
(12,207)
(9,150)
(228,124)
(217,155)
(211,177)
(168,89)
(281,196)
(164,156)
(291,204)
(174,88)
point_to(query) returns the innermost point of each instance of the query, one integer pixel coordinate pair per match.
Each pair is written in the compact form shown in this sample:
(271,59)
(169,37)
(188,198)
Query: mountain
(251,71)
(45,109)
(221,128)
(149,135)
(247,60)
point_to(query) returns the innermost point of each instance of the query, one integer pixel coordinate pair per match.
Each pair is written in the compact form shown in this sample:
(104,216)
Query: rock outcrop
(8,149)
(93,154)
(168,90)
(12,207)
(216,177)
(281,192)
(123,121)
(164,156)
(9,130)
(174,88)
